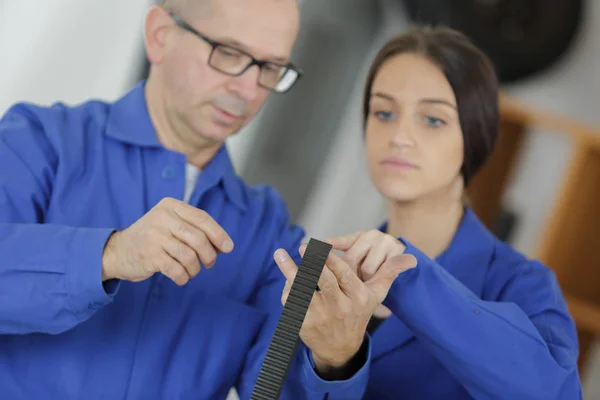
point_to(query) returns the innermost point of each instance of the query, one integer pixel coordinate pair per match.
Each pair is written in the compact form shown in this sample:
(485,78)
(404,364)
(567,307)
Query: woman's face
(413,136)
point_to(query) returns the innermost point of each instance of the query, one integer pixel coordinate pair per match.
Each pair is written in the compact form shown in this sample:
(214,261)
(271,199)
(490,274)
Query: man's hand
(172,238)
(337,318)
(367,251)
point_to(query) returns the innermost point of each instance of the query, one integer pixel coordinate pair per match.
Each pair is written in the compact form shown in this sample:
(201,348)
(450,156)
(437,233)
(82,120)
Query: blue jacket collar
(129,122)
(470,252)
(220,169)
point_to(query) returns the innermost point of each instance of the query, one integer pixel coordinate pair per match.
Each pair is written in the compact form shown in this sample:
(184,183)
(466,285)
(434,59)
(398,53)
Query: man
(108,212)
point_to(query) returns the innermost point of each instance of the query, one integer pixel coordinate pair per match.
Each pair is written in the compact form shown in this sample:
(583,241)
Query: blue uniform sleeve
(302,382)
(50,276)
(354,388)
(521,345)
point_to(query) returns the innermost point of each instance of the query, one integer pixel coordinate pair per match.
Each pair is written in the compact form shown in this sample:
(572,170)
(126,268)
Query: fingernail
(227,246)
(280,255)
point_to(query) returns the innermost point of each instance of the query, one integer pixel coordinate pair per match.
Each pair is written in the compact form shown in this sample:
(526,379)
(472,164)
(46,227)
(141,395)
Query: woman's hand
(367,251)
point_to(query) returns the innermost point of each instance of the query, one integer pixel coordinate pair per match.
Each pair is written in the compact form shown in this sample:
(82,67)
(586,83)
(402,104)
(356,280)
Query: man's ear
(156,26)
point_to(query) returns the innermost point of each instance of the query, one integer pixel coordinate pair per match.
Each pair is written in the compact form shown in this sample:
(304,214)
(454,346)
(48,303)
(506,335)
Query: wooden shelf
(570,242)
(516,112)
(585,314)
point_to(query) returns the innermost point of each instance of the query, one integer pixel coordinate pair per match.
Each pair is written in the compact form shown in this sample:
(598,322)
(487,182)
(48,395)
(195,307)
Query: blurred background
(540,192)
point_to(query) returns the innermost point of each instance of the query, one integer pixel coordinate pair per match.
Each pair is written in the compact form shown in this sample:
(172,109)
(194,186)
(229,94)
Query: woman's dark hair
(472,77)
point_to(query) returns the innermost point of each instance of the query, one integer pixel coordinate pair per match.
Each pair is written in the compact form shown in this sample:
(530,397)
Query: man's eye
(229,52)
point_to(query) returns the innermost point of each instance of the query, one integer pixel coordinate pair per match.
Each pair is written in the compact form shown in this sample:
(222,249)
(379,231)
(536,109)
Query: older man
(107,212)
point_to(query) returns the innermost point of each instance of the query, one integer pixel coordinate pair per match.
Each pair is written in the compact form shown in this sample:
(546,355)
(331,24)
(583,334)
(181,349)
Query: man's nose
(246,85)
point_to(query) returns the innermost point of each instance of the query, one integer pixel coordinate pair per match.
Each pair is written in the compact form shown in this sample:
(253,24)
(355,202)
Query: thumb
(383,279)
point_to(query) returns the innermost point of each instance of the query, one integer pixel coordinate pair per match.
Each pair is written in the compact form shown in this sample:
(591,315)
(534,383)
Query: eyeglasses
(231,61)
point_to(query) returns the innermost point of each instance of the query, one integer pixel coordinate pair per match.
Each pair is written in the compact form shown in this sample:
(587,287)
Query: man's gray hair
(187,6)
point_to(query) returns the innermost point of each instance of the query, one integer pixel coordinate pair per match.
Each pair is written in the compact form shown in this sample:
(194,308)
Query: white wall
(345,200)
(69,50)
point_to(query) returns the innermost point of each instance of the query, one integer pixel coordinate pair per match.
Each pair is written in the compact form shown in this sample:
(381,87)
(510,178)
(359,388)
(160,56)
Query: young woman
(474,319)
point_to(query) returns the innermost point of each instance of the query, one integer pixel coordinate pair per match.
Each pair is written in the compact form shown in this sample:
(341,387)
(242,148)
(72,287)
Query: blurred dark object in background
(522,37)
(506,223)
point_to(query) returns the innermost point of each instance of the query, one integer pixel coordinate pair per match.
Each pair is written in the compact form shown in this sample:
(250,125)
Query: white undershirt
(191,177)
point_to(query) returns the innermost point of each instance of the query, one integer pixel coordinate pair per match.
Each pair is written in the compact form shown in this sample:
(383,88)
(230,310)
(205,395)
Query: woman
(474,319)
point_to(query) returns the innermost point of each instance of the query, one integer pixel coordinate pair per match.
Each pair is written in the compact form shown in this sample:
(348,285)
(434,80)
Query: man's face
(210,103)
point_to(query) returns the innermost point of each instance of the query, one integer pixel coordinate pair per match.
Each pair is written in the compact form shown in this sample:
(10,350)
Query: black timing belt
(283,345)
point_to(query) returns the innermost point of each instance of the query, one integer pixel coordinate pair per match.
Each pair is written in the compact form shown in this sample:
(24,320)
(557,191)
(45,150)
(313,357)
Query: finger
(183,254)
(383,279)
(356,254)
(286,265)
(196,239)
(288,268)
(328,283)
(345,276)
(343,242)
(329,286)
(286,292)
(173,270)
(384,247)
(303,247)
(374,260)
(203,221)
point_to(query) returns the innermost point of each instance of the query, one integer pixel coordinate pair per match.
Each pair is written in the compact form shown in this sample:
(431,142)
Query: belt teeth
(283,345)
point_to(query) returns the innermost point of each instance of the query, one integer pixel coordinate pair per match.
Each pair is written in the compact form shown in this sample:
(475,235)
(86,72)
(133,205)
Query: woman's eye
(384,115)
(434,122)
